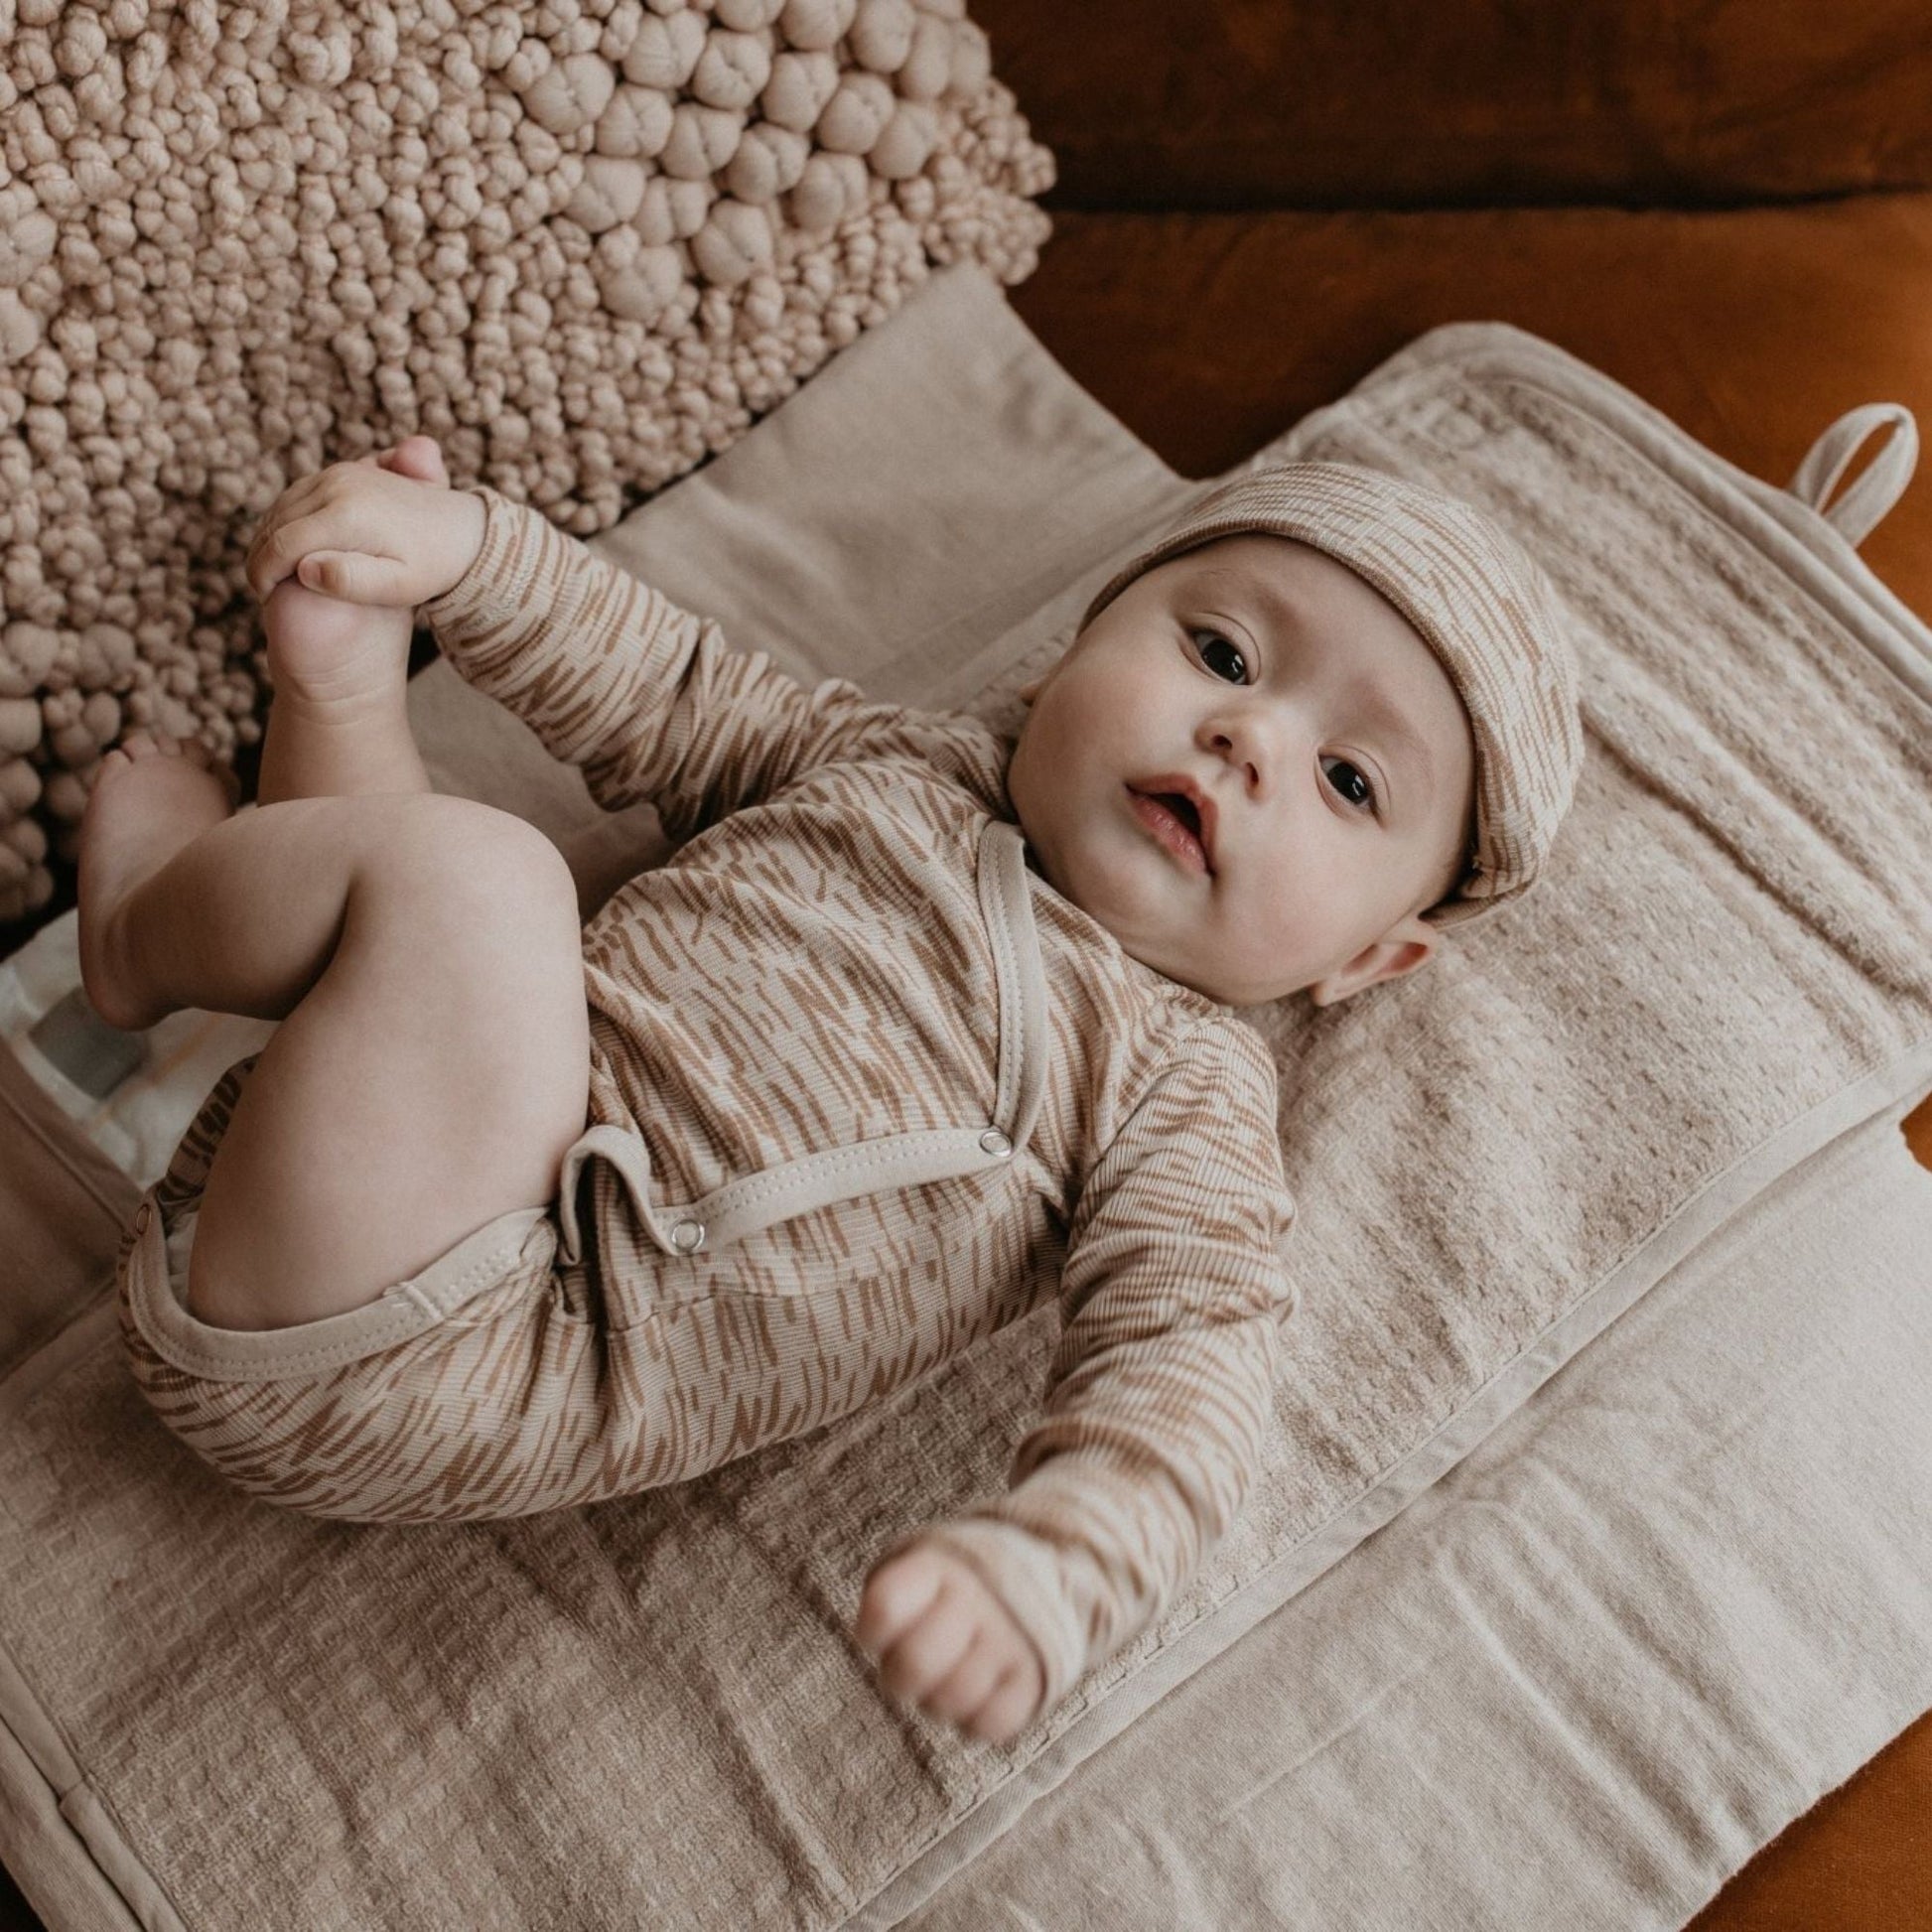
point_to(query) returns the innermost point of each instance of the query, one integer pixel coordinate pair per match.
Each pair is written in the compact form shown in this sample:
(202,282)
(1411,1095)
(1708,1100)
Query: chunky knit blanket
(583,244)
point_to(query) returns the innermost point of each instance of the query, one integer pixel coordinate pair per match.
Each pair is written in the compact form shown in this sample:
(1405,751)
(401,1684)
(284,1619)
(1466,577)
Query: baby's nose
(1241,741)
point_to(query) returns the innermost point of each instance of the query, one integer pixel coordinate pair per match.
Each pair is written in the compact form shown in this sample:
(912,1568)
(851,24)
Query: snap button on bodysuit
(995,1143)
(688,1237)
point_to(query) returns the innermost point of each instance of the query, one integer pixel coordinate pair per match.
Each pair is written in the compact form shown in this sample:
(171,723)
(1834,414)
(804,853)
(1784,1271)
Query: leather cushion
(1377,104)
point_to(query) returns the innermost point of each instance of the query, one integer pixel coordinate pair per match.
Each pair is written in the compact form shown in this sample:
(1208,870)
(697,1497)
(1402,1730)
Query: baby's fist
(945,1642)
(383,529)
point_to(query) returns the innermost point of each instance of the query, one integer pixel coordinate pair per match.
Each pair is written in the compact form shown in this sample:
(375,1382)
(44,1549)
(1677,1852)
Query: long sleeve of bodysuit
(1160,1392)
(648,699)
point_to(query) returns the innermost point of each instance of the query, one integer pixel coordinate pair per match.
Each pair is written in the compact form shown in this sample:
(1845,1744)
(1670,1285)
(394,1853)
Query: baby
(920,1026)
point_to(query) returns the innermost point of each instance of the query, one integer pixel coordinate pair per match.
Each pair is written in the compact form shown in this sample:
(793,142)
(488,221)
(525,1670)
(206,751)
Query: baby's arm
(646,698)
(1158,1395)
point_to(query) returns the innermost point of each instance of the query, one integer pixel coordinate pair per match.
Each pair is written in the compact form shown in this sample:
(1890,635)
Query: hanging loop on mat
(1861,510)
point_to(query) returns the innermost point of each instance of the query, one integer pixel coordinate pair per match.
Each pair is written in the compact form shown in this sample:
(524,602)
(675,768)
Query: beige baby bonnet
(1482,606)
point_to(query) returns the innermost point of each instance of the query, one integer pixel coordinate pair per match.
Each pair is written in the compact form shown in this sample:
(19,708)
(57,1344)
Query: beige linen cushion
(1728,965)
(583,244)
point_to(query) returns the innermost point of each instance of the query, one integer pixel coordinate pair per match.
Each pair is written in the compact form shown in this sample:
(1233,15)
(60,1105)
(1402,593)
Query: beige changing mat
(1680,1594)
(651,1712)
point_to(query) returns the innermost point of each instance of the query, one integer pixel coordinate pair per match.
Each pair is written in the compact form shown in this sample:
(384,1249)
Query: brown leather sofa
(1727,209)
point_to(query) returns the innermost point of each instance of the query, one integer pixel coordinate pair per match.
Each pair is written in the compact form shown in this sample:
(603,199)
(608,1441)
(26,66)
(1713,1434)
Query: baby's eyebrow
(1392,722)
(1395,723)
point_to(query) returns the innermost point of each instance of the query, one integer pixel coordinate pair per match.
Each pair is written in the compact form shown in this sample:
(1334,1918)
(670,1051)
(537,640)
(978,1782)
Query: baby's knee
(464,854)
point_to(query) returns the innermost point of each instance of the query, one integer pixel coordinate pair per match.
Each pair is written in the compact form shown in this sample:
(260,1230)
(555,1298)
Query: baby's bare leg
(432,1066)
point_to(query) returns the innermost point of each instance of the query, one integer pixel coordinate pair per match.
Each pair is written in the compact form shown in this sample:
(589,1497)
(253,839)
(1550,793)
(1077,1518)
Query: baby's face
(1330,754)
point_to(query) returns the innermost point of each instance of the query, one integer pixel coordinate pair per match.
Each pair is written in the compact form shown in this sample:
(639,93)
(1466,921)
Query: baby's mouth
(1182,807)
(1174,820)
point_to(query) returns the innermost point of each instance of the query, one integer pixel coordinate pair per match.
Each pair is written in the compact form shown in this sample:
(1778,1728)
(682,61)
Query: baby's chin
(1115,896)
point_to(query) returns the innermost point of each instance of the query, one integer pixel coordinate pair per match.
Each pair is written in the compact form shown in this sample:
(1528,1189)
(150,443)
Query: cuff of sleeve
(1024,1573)
(494,587)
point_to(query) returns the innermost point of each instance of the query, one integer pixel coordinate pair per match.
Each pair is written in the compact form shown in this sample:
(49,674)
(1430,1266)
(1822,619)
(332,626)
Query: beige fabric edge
(1887,1089)
(65,1886)
(58,1842)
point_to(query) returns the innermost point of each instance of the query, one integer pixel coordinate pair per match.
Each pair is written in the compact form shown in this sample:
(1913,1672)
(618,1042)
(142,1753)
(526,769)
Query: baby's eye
(1217,642)
(1342,786)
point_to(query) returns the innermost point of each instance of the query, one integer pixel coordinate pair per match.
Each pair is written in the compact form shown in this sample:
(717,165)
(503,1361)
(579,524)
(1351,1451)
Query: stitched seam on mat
(87,1181)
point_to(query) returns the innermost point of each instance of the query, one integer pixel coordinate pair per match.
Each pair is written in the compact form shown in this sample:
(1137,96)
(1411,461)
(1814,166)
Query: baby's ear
(1405,948)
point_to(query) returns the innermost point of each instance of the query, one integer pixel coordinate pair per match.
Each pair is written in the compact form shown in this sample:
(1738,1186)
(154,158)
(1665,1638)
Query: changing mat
(1675,1598)
(652,1710)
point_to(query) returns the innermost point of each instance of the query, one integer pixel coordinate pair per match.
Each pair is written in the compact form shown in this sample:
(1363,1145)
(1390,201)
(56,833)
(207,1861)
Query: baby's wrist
(472,520)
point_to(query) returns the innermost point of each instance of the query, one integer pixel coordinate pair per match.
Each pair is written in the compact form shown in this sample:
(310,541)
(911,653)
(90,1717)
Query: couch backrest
(1388,103)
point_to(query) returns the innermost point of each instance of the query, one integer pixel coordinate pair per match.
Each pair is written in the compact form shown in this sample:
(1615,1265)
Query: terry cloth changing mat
(652,1710)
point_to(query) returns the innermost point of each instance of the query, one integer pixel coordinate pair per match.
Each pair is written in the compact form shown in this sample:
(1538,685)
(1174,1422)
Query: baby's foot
(149,798)
(335,656)
(330,655)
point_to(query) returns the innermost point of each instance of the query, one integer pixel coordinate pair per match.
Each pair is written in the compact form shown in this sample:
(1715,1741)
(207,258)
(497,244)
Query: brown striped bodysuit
(864,1087)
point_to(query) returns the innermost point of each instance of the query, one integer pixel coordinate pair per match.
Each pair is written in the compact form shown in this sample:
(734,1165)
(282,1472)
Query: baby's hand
(384,529)
(948,1644)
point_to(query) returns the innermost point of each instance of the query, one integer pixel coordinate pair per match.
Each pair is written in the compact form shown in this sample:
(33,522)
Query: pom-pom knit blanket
(585,245)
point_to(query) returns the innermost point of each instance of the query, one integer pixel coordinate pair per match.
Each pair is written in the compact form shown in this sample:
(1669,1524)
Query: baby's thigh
(428,1082)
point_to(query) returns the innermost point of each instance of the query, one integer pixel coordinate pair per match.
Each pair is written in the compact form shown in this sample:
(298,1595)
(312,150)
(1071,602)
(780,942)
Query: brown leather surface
(1753,329)
(1386,103)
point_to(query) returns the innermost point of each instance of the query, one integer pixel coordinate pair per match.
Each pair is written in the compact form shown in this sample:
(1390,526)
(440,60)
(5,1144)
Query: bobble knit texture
(583,244)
